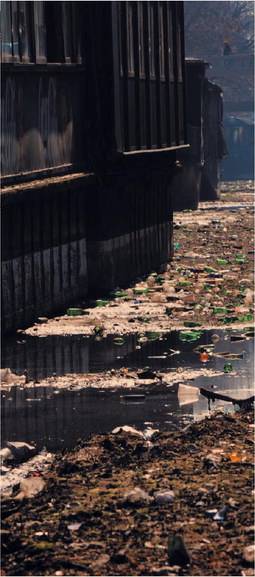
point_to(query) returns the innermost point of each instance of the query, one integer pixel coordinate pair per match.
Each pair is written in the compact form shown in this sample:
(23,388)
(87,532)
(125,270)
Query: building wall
(44,250)
(76,236)
(42,120)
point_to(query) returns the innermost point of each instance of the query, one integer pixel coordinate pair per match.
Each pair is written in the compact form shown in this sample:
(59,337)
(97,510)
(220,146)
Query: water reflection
(42,357)
(58,418)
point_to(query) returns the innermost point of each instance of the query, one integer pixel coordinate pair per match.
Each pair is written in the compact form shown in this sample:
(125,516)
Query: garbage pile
(140,503)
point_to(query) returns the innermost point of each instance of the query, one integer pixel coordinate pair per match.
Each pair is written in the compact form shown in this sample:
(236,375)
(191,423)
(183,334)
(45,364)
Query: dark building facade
(93,123)
(199,174)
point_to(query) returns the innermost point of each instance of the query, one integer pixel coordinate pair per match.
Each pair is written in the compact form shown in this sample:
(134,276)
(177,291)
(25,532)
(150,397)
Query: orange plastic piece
(235,458)
(204,357)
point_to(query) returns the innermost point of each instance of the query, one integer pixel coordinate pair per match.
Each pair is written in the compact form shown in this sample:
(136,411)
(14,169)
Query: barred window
(40,32)
(16,41)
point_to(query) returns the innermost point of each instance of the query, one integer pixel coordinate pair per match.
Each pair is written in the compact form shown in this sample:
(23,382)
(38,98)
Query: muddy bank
(208,283)
(100,511)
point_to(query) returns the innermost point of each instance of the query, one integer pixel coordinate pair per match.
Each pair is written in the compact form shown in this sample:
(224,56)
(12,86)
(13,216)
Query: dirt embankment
(141,504)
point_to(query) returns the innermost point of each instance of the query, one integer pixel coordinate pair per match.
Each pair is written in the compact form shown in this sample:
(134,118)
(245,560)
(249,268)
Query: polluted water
(54,418)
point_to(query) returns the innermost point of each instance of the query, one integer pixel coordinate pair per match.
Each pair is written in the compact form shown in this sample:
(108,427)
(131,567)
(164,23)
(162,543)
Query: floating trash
(190,336)
(153,336)
(228,368)
(204,357)
(118,341)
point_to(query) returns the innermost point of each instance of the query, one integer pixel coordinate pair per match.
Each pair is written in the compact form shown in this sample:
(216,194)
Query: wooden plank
(161,151)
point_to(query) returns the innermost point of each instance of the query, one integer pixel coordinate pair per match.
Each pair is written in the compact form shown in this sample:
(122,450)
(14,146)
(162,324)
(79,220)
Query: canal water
(55,419)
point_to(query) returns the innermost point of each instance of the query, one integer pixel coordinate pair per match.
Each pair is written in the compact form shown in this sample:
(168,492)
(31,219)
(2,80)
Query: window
(161,43)
(179,46)
(170,42)
(71,30)
(130,38)
(40,31)
(67,29)
(151,41)
(54,31)
(6,32)
(76,32)
(15,32)
(120,15)
(24,31)
(141,39)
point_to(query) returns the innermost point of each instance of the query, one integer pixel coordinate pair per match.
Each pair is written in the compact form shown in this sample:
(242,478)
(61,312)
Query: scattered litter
(20,450)
(187,394)
(190,336)
(74,526)
(137,496)
(119,341)
(221,514)
(30,487)
(129,430)
(164,497)
(249,554)
(228,368)
(101,303)
(177,551)
(74,312)
(204,357)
